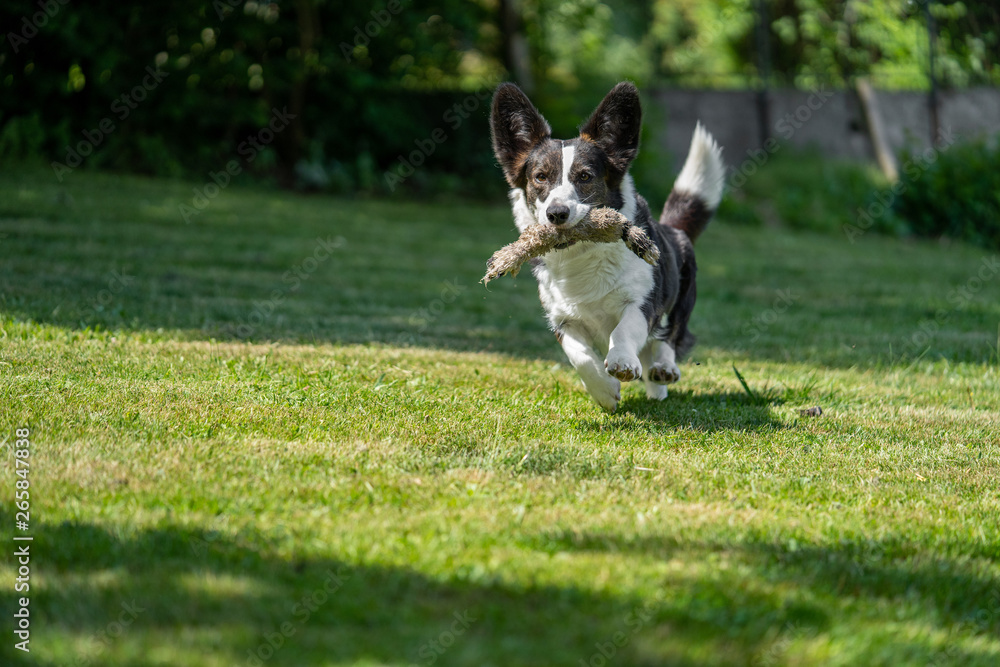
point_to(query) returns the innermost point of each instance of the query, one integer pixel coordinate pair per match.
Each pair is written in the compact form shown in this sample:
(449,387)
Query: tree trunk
(876,129)
(290,143)
(516,58)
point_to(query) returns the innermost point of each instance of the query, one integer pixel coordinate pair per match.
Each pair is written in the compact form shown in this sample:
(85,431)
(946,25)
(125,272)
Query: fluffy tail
(698,189)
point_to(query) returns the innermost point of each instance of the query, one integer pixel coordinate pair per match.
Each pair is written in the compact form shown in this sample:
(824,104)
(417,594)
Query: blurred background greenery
(370,82)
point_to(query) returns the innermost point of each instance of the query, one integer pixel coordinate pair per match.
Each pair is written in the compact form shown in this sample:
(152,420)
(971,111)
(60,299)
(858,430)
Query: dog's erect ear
(516,127)
(615,126)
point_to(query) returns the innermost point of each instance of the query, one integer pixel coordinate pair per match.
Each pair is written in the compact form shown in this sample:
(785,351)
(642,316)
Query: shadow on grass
(686,409)
(936,591)
(192,596)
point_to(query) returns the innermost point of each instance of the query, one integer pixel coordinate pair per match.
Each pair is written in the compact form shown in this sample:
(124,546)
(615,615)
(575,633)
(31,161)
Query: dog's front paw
(623,366)
(664,373)
(607,393)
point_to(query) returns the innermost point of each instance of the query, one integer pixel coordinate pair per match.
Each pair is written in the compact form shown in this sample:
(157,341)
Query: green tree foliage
(826,41)
(369,84)
(699,43)
(363,81)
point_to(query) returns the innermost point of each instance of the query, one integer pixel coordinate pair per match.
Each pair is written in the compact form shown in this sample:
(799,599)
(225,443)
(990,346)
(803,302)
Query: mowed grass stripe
(442,458)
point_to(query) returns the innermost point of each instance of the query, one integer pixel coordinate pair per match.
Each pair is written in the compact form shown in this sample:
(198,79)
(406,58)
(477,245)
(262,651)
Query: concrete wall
(833,122)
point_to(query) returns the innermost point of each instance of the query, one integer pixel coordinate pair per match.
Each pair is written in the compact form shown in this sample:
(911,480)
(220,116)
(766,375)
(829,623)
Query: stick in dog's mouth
(602,225)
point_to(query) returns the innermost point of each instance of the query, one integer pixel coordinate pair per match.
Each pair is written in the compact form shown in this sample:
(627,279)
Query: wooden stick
(602,225)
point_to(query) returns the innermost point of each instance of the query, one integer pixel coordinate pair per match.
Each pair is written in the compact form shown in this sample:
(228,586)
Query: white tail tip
(704,173)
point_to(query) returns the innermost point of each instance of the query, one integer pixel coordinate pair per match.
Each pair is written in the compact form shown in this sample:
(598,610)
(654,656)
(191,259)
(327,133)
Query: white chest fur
(588,284)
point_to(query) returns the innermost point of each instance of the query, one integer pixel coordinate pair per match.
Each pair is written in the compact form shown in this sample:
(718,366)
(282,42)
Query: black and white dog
(617,317)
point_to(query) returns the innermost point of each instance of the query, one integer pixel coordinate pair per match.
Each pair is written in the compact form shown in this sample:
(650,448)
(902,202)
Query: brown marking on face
(543,171)
(594,181)
(615,126)
(516,128)
(589,174)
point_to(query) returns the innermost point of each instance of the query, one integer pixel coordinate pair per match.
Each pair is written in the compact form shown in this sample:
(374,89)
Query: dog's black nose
(557,213)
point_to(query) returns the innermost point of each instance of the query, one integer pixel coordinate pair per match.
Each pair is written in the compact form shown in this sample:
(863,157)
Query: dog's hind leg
(660,368)
(655,391)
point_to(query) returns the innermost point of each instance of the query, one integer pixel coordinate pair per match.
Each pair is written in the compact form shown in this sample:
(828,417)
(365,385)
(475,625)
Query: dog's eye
(541,177)
(585,176)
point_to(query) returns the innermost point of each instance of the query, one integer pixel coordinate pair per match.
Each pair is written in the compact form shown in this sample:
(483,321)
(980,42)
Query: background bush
(806,190)
(957,196)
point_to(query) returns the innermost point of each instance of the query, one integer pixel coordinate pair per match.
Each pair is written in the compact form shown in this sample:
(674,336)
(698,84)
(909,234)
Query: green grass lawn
(297,431)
